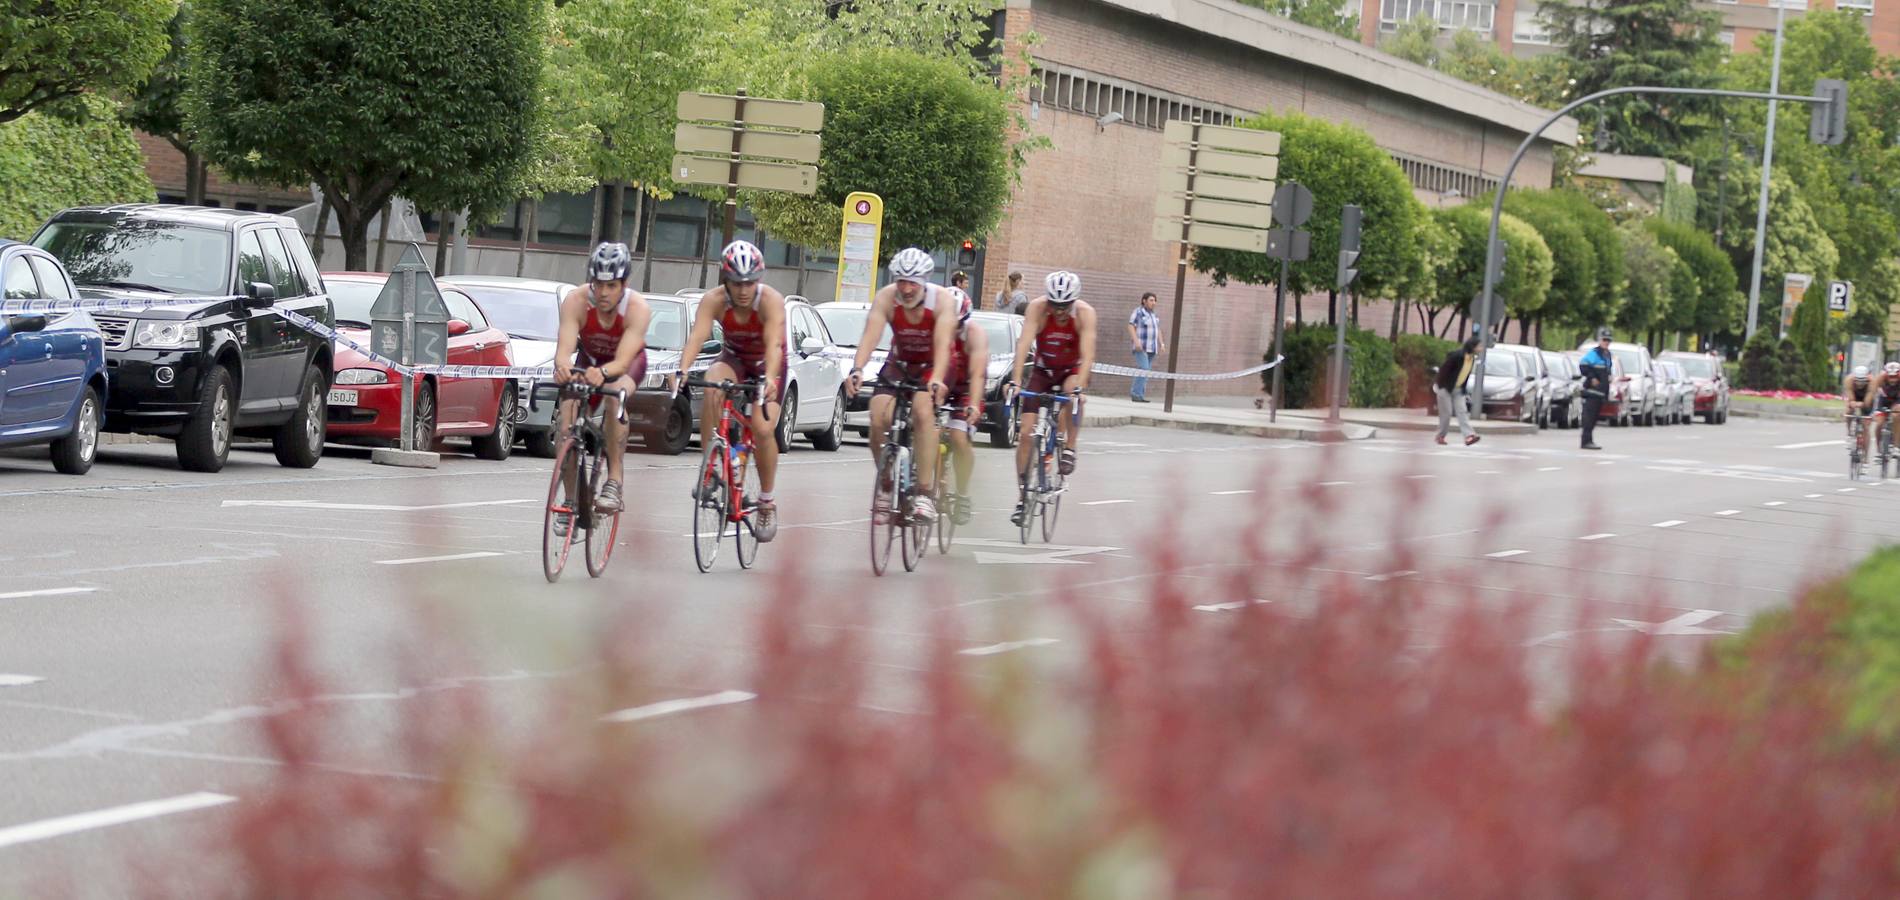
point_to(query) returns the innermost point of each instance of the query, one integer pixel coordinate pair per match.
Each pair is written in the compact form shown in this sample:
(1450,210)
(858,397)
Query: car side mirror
(811,346)
(260,294)
(711,347)
(457,327)
(21,325)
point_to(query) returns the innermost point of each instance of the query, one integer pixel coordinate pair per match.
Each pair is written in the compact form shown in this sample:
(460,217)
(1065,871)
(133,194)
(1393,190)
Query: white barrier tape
(1101,369)
(496,372)
(16,307)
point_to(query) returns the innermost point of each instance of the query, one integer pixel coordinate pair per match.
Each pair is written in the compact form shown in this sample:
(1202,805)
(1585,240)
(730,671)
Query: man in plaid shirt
(1144,332)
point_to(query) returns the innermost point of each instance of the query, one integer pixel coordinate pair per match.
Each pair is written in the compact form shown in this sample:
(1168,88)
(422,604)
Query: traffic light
(1827,122)
(1497,263)
(966,254)
(1349,221)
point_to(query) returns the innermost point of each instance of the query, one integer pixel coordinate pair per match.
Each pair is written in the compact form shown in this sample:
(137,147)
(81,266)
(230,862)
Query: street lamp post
(1767,162)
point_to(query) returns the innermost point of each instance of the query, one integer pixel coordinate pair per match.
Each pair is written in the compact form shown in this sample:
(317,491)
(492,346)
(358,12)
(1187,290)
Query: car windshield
(847,325)
(667,330)
(997,331)
(1527,362)
(1629,359)
(1500,364)
(1555,363)
(531,314)
(353,299)
(1699,367)
(144,255)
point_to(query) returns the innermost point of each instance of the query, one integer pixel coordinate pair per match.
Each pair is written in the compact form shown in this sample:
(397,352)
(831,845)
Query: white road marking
(1225,607)
(1687,623)
(1680,462)
(1550,468)
(1104,502)
(479,554)
(369,507)
(1230,493)
(1507,554)
(1810,445)
(1671,523)
(1421,477)
(1843,490)
(117,815)
(1390,576)
(1729,472)
(48,592)
(1597,537)
(1007,646)
(684,704)
(1811,496)
(1607,463)
(1046,554)
(19,680)
(1334,483)
(1489,472)
(1776,503)
(1728,512)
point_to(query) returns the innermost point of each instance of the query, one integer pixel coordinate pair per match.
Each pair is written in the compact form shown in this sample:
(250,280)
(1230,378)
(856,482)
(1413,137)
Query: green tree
(1761,362)
(1648,269)
(1718,304)
(48,163)
(1597,227)
(1415,40)
(1340,164)
(53,51)
(155,108)
(1527,261)
(1574,279)
(1796,241)
(1618,43)
(369,99)
(1809,336)
(944,175)
(1528,268)
(1436,248)
(1322,14)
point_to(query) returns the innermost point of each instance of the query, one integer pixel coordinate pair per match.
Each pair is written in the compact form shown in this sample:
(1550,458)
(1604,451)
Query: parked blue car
(52,365)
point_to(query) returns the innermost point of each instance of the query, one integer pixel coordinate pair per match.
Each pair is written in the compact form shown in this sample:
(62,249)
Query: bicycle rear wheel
(554,547)
(1885,439)
(602,527)
(946,505)
(745,541)
(916,533)
(1052,501)
(709,507)
(884,511)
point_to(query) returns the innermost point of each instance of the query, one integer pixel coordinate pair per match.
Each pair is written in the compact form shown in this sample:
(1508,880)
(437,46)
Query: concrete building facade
(1513,24)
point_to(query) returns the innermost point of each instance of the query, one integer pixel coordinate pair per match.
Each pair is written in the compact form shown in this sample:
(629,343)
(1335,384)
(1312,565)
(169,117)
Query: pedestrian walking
(1144,333)
(1595,366)
(1452,388)
(1012,298)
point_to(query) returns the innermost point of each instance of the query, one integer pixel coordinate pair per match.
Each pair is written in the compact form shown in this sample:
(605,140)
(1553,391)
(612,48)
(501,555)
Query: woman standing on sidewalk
(1454,377)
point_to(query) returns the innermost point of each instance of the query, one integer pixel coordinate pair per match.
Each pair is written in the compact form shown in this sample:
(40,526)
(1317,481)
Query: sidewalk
(1404,419)
(1110,412)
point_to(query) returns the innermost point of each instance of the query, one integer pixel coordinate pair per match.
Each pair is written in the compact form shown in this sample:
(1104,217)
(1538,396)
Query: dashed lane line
(102,818)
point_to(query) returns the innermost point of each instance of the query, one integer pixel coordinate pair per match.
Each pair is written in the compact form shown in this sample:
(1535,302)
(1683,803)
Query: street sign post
(410,322)
(1292,206)
(1216,184)
(1840,299)
(756,143)
(1350,219)
(858,247)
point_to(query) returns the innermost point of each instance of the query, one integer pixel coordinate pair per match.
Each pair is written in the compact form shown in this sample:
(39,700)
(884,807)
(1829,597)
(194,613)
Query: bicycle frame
(735,427)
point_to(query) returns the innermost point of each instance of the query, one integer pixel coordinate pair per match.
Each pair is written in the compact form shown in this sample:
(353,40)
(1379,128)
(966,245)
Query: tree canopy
(48,163)
(1614,43)
(54,51)
(1322,14)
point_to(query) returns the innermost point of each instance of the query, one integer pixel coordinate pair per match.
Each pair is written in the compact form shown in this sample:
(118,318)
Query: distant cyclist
(1886,394)
(969,363)
(1858,392)
(922,324)
(1060,329)
(752,313)
(604,335)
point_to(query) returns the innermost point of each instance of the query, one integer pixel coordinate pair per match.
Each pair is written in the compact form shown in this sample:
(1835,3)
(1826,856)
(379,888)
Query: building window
(1866,6)
(1525,29)
(1140,106)
(1451,15)
(1727,38)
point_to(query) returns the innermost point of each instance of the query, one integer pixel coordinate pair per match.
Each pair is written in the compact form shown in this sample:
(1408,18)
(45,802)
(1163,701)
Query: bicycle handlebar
(579,390)
(1058,398)
(752,387)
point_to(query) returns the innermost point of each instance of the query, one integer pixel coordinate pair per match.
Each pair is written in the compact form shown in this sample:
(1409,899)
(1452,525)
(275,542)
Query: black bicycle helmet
(611,262)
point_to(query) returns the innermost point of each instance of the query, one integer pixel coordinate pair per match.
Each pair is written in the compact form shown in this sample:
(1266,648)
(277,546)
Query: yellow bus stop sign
(858,247)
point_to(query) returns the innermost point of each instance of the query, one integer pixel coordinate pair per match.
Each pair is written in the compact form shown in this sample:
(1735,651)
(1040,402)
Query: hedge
(1376,379)
(48,164)
(1417,355)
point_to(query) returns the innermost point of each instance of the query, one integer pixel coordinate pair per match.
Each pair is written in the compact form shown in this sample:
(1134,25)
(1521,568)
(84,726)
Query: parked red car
(1711,383)
(365,400)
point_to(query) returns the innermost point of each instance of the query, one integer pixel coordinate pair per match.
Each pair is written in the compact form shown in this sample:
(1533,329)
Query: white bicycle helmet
(1860,373)
(1893,369)
(610,262)
(1062,287)
(912,264)
(741,262)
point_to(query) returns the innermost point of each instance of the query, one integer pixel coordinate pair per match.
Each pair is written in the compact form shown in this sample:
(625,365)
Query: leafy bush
(1815,370)
(1375,379)
(1416,356)
(1761,362)
(48,164)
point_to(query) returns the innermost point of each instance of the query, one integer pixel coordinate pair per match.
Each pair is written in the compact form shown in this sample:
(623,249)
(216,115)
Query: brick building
(1513,24)
(1087,203)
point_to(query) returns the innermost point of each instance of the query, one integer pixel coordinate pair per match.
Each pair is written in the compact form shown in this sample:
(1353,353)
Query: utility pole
(1767,163)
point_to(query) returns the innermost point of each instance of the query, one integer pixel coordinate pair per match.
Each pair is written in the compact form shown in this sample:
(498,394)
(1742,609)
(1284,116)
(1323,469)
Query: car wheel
(205,442)
(832,437)
(679,427)
(498,445)
(298,443)
(1005,434)
(788,420)
(422,437)
(540,442)
(74,453)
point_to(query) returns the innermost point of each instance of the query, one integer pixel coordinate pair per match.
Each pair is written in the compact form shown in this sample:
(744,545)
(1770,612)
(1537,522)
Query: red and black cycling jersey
(1059,344)
(1860,393)
(600,342)
(913,342)
(745,338)
(1889,392)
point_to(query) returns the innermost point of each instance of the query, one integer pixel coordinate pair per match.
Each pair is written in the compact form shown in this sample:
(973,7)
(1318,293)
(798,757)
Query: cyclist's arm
(773,313)
(1032,322)
(977,344)
(945,336)
(633,339)
(570,337)
(1085,335)
(874,322)
(696,338)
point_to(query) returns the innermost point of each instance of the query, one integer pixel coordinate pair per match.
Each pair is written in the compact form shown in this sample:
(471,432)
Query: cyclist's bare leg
(1023,441)
(564,422)
(1071,412)
(923,430)
(882,406)
(615,430)
(962,456)
(715,399)
(765,442)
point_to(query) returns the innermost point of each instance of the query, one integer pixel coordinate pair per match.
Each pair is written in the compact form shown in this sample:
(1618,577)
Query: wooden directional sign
(786,145)
(800,115)
(1222,137)
(764,176)
(1206,234)
(1246,165)
(1225,212)
(1218,187)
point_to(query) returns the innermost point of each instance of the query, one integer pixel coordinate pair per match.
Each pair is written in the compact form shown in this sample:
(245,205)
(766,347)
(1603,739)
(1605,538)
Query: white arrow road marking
(1732,472)
(117,815)
(1391,576)
(429,559)
(1334,483)
(1104,502)
(369,507)
(1597,537)
(47,592)
(1007,646)
(684,704)
(1811,444)
(1667,524)
(1687,623)
(1507,554)
(19,680)
(1228,607)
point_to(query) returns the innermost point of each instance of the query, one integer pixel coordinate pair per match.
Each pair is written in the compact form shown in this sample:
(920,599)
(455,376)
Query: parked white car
(1639,398)
(1536,375)
(814,390)
(529,310)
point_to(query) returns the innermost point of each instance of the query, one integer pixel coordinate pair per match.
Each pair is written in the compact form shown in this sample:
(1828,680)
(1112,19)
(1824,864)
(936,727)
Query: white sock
(765,496)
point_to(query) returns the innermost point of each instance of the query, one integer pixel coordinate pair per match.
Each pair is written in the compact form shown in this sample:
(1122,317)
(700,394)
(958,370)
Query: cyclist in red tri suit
(604,334)
(969,362)
(752,314)
(1060,328)
(922,324)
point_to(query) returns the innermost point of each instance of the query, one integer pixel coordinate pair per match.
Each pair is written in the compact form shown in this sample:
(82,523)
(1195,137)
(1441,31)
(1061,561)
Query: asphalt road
(139,604)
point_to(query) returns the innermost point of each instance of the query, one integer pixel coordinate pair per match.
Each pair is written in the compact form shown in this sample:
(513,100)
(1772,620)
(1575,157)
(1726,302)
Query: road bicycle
(726,492)
(580,468)
(1041,482)
(894,491)
(1883,445)
(1855,458)
(947,499)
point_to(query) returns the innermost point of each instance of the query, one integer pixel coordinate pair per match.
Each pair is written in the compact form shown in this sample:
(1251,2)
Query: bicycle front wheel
(709,506)
(745,542)
(554,547)
(916,533)
(602,527)
(884,513)
(946,507)
(1052,502)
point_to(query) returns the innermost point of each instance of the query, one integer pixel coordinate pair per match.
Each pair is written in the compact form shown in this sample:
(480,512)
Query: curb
(1778,416)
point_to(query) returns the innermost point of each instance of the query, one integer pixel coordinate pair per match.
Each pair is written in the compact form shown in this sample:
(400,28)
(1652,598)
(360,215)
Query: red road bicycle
(580,468)
(725,494)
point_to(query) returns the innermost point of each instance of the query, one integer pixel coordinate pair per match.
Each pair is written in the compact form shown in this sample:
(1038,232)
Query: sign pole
(407,440)
(732,178)
(1279,336)
(1181,268)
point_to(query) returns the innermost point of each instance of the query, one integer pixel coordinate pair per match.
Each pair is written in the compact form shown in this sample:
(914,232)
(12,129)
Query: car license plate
(342,398)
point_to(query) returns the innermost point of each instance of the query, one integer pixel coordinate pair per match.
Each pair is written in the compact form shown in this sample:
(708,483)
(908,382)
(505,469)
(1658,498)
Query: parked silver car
(1566,390)
(814,389)
(1677,391)
(529,310)
(1536,376)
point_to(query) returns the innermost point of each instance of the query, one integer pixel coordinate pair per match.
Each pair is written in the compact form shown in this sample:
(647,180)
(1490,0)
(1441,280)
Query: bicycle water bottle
(903,469)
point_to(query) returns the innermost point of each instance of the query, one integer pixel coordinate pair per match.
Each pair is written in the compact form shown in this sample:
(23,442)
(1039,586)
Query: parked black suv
(201,373)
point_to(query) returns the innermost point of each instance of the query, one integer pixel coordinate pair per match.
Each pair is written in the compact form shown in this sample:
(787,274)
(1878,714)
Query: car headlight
(166,335)
(654,381)
(362,376)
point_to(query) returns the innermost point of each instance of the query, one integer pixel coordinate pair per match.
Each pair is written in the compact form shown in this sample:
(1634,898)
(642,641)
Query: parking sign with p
(1840,297)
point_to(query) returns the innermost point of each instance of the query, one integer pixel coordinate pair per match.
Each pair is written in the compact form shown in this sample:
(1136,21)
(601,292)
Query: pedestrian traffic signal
(1349,220)
(1497,263)
(966,254)
(1827,123)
